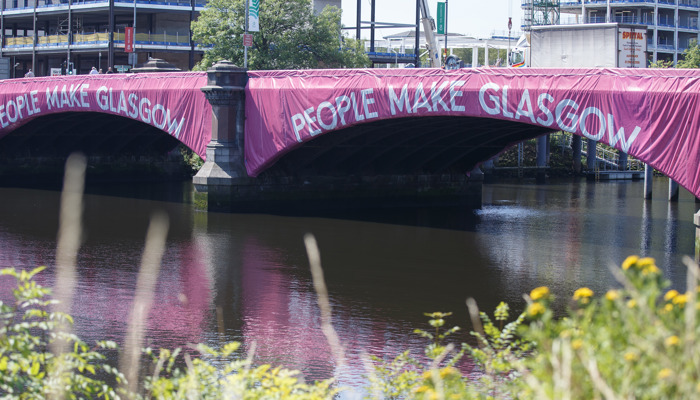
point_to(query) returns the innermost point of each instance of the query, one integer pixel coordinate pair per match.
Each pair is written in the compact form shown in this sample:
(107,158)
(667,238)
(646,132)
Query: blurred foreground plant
(26,331)
(219,374)
(634,342)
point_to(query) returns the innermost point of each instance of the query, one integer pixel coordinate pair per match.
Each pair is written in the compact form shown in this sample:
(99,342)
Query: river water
(384,269)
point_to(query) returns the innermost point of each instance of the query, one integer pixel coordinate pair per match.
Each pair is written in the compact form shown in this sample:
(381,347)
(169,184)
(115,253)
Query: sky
(479,18)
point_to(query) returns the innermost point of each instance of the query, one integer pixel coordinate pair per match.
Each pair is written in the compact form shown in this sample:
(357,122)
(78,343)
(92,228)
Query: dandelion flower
(670,294)
(665,373)
(630,261)
(535,309)
(680,300)
(539,293)
(576,344)
(672,341)
(631,356)
(632,303)
(583,294)
(650,270)
(645,262)
(612,295)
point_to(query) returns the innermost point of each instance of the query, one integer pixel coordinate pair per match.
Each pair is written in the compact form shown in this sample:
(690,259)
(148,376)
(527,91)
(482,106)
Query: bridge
(306,134)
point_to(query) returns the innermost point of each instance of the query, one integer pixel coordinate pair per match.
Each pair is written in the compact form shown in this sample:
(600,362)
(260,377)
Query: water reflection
(245,277)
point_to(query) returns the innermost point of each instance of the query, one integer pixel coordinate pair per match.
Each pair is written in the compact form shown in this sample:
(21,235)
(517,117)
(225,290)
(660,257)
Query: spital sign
(129,39)
(632,35)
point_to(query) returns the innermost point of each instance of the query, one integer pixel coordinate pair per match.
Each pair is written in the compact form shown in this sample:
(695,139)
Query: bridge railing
(43,4)
(158,39)
(607,157)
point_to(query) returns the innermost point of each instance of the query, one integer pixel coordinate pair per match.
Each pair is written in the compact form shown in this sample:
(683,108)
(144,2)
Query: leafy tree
(465,54)
(291,36)
(691,57)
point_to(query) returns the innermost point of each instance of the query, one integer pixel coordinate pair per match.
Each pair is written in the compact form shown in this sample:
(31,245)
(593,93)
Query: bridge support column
(648,177)
(224,170)
(672,190)
(576,145)
(541,158)
(591,155)
(622,161)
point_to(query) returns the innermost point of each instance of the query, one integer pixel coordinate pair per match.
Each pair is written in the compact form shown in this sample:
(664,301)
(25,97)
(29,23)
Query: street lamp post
(133,53)
(445,29)
(510,26)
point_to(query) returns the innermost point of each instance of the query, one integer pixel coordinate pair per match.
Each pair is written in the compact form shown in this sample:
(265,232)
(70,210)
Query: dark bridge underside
(94,134)
(421,145)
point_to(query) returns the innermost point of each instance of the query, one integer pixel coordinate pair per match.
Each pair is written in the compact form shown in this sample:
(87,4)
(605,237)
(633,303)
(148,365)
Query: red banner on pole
(129,39)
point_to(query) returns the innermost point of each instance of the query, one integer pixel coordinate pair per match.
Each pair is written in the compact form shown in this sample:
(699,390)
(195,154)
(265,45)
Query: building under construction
(672,25)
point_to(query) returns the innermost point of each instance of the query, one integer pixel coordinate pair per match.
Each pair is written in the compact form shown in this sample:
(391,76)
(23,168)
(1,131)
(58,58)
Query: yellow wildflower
(576,344)
(631,303)
(670,294)
(631,356)
(539,293)
(630,261)
(535,309)
(645,262)
(447,371)
(668,307)
(672,341)
(612,295)
(650,269)
(665,373)
(583,294)
(422,389)
(680,300)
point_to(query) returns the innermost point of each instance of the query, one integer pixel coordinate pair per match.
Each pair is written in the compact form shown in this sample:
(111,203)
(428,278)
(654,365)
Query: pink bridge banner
(171,102)
(652,114)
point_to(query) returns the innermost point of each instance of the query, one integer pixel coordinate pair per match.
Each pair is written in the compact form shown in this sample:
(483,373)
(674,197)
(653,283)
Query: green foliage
(465,54)
(396,379)
(218,374)
(635,342)
(191,159)
(691,56)
(661,64)
(437,348)
(28,369)
(404,377)
(498,349)
(290,37)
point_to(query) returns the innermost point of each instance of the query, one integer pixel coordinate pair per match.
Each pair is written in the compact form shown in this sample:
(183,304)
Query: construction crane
(430,35)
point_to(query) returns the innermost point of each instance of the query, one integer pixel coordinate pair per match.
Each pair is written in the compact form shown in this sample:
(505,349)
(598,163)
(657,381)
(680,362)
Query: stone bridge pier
(223,185)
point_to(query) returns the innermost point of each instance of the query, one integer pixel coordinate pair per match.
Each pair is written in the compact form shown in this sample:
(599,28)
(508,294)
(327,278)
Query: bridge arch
(170,102)
(412,145)
(648,113)
(60,134)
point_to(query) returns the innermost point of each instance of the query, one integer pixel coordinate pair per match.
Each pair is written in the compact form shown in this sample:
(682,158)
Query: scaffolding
(540,12)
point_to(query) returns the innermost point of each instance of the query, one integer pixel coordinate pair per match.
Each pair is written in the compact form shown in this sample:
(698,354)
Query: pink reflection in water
(104,296)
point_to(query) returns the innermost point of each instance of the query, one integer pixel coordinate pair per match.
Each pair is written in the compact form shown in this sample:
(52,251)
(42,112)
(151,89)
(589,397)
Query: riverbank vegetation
(636,341)
(639,340)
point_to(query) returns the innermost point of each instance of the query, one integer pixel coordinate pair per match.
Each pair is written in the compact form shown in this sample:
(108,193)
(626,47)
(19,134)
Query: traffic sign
(247,39)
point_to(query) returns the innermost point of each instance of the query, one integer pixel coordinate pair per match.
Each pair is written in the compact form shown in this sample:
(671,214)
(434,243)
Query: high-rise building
(48,35)
(672,24)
